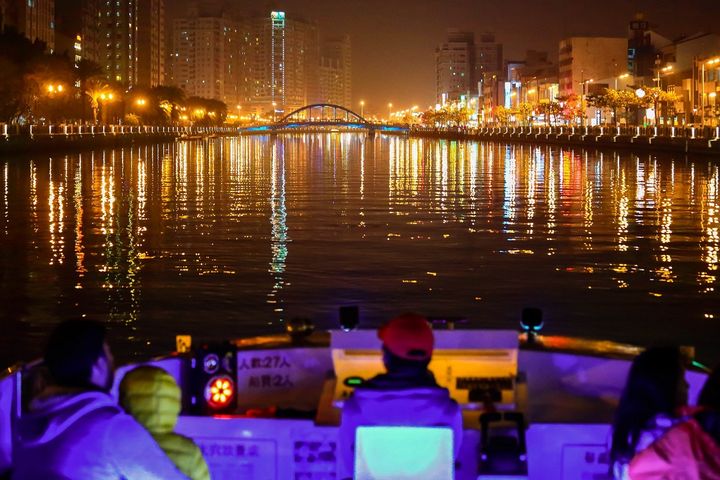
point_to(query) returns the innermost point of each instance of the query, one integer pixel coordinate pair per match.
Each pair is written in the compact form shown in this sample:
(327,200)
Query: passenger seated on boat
(154,399)
(407,395)
(651,403)
(689,450)
(74,429)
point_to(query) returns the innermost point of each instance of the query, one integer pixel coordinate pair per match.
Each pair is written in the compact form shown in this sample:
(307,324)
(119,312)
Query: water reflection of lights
(79,224)
(712,231)
(56,213)
(551,200)
(510,177)
(33,198)
(623,209)
(6,197)
(279,229)
(647,225)
(588,213)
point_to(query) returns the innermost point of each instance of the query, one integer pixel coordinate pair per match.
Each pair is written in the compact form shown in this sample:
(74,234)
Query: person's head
(655,386)
(77,356)
(407,342)
(152,397)
(710,393)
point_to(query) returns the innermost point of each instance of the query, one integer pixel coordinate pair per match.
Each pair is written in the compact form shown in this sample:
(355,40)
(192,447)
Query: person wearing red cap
(406,395)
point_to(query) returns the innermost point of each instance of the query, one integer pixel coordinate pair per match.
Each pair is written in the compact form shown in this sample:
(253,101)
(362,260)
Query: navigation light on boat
(210,363)
(349,318)
(532,320)
(219,392)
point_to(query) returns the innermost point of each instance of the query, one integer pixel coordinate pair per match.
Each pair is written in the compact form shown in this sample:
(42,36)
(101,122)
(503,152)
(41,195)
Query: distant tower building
(35,19)
(284,58)
(643,52)
(489,57)
(278,59)
(69,24)
(586,59)
(336,72)
(151,54)
(455,66)
(126,38)
(206,58)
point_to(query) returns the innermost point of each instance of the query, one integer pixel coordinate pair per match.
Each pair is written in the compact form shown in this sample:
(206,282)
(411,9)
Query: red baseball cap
(408,336)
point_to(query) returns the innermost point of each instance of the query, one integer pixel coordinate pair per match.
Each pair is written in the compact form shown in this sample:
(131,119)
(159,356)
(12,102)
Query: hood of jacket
(152,397)
(50,416)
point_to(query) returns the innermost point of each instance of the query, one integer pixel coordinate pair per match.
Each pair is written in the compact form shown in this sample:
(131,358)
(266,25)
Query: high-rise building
(284,59)
(489,57)
(336,72)
(643,51)
(126,38)
(35,19)
(206,58)
(584,60)
(455,67)
(151,54)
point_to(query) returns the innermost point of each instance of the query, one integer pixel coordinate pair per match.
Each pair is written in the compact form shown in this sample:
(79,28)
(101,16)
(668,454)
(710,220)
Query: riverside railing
(66,130)
(669,137)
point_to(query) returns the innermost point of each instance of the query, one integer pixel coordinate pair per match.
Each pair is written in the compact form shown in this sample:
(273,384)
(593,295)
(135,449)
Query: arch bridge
(323,117)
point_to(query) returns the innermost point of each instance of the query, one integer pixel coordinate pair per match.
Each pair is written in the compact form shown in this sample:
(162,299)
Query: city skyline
(399,38)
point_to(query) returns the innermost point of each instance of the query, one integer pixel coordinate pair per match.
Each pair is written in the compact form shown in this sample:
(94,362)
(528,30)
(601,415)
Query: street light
(620,77)
(55,88)
(389,111)
(583,100)
(140,102)
(362,108)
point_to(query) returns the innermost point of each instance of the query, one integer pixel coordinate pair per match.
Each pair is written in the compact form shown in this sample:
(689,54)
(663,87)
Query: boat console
(269,407)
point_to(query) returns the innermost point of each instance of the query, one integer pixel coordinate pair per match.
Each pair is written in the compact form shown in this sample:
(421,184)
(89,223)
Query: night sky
(394,40)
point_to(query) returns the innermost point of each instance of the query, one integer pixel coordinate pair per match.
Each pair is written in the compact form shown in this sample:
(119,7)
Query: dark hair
(72,350)
(652,388)
(710,393)
(393,363)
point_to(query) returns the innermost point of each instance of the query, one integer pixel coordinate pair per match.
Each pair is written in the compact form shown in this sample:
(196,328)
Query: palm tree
(96,89)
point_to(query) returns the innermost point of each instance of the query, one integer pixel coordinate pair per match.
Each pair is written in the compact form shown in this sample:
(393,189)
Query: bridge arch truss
(323,113)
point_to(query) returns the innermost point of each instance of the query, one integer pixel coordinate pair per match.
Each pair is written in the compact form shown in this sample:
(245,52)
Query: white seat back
(399,453)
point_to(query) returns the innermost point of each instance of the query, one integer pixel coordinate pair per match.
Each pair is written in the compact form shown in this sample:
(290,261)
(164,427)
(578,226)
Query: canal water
(227,237)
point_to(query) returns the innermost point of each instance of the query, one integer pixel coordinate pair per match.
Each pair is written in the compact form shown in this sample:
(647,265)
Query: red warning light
(219,391)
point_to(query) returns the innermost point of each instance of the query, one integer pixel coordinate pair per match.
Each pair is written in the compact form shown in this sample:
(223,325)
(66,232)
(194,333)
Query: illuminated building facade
(151,52)
(284,55)
(35,19)
(207,58)
(585,59)
(77,29)
(489,55)
(336,72)
(455,67)
(127,39)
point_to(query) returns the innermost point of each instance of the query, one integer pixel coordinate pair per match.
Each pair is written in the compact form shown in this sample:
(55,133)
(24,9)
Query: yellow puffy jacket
(153,398)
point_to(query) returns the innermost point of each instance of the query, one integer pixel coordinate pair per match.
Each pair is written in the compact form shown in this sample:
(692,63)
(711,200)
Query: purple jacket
(414,407)
(86,435)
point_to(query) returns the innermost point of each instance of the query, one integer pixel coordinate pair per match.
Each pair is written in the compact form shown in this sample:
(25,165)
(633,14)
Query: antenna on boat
(349,318)
(531,322)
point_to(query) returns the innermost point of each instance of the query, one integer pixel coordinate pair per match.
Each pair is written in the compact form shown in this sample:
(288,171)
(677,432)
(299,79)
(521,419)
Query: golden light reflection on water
(257,229)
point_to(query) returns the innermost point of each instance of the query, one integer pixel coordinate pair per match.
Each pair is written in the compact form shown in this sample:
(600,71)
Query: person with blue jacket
(74,429)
